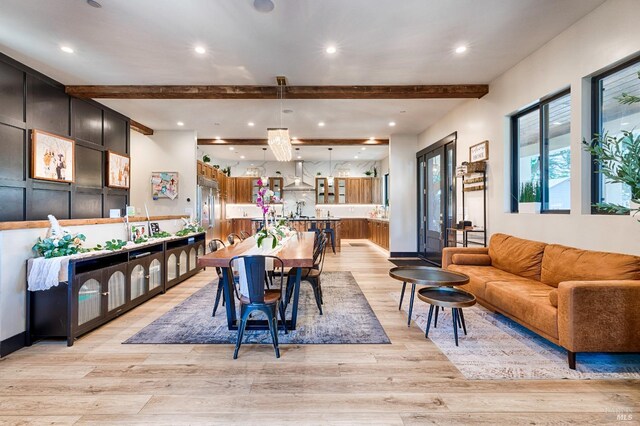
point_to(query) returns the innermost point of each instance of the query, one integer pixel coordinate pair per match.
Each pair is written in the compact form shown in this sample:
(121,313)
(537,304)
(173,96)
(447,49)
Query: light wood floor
(101,381)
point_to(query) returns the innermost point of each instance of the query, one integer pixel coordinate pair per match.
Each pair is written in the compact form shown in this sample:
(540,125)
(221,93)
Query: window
(610,116)
(542,153)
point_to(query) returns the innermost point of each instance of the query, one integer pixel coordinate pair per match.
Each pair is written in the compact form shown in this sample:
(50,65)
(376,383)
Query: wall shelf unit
(471,182)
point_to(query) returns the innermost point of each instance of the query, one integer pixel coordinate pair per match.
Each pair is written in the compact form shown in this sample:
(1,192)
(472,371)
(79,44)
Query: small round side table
(447,297)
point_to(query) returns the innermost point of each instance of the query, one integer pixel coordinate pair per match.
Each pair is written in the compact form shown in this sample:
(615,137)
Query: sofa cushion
(471,259)
(479,276)
(553,297)
(526,300)
(561,263)
(515,255)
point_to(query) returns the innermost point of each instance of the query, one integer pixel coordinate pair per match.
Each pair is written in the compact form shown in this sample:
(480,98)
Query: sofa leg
(572,359)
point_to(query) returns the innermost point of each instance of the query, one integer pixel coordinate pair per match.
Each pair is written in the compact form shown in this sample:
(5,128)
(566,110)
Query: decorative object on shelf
(189,227)
(139,234)
(278,172)
(164,185)
(216,166)
(113,245)
(52,157)
(118,170)
(227,171)
(266,197)
(375,171)
(160,234)
(529,198)
(479,152)
(368,173)
(618,159)
(154,228)
(278,137)
(473,188)
(58,242)
(206,159)
(475,167)
(461,170)
(318,174)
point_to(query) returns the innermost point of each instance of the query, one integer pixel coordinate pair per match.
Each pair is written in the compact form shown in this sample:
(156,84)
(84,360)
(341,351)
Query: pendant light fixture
(330,177)
(278,137)
(265,178)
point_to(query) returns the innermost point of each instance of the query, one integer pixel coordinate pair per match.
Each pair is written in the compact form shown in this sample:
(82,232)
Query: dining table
(296,252)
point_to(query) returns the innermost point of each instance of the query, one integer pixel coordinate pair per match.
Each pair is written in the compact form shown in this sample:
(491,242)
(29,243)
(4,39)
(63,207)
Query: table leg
(229,298)
(296,296)
(435,324)
(454,315)
(404,286)
(426,332)
(413,293)
(464,326)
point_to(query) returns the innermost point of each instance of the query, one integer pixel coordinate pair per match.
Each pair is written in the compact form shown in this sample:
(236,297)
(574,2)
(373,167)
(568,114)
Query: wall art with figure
(52,157)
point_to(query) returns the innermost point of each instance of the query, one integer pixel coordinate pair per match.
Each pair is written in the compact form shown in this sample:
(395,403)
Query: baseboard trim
(12,344)
(403,254)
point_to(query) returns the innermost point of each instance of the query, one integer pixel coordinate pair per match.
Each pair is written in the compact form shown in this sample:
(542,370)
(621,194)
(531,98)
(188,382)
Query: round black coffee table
(424,275)
(447,297)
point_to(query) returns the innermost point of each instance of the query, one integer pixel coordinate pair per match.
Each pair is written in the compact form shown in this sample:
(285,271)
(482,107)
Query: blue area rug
(347,319)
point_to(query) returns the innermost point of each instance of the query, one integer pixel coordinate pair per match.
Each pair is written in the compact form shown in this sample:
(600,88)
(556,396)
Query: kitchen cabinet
(332,193)
(276,184)
(243,190)
(354,228)
(378,232)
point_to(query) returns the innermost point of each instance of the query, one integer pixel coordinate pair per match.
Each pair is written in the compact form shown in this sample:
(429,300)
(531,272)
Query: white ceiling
(308,153)
(378,42)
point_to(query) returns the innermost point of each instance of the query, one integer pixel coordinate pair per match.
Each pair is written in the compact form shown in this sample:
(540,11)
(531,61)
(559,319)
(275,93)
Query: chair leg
(572,359)
(316,293)
(320,291)
(274,331)
(218,294)
(243,324)
(266,280)
(404,286)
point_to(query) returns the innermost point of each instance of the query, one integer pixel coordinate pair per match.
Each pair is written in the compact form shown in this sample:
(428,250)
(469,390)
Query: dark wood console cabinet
(104,286)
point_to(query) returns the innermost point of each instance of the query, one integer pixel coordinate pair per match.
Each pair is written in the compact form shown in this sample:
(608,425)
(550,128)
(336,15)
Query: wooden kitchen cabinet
(243,190)
(379,232)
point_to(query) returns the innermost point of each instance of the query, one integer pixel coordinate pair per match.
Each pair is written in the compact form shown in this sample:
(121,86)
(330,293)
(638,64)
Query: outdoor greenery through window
(542,155)
(612,118)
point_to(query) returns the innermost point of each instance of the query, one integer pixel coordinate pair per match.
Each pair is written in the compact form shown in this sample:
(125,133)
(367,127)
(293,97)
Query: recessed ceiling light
(251,124)
(230,148)
(363,148)
(218,138)
(299,157)
(392,124)
(66,49)
(321,124)
(461,49)
(356,157)
(94,3)
(264,6)
(242,157)
(201,50)
(180,123)
(331,50)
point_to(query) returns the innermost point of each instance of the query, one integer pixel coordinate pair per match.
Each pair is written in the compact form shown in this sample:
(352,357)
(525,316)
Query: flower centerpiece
(266,197)
(273,233)
(58,242)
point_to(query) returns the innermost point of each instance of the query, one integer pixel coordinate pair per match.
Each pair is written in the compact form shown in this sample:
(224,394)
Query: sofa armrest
(448,252)
(599,316)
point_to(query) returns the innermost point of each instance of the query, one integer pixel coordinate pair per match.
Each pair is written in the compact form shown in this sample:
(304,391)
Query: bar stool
(332,234)
(313,227)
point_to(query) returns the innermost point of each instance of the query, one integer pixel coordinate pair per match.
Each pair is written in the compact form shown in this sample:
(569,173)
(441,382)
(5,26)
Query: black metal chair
(311,275)
(331,233)
(214,245)
(244,235)
(234,238)
(258,299)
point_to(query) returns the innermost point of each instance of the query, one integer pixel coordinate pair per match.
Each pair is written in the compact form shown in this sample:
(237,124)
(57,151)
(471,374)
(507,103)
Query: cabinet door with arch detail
(89,297)
(155,271)
(115,278)
(183,262)
(137,278)
(193,258)
(172,265)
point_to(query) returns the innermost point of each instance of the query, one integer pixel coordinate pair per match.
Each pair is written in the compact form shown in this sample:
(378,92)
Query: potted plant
(368,173)
(216,166)
(618,158)
(278,172)
(529,199)
(318,174)
(206,159)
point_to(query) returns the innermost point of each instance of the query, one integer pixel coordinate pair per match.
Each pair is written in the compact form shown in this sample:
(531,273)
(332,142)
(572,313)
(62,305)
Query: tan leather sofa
(584,301)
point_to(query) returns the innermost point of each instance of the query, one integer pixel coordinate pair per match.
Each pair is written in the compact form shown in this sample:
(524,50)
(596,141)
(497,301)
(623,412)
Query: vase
(529,208)
(266,244)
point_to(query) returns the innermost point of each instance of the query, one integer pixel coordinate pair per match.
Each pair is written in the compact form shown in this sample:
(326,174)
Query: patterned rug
(498,348)
(347,319)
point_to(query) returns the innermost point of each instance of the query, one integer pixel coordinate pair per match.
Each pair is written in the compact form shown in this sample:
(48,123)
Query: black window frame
(597,180)
(544,157)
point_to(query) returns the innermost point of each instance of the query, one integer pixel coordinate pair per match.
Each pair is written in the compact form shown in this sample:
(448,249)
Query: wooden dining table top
(296,252)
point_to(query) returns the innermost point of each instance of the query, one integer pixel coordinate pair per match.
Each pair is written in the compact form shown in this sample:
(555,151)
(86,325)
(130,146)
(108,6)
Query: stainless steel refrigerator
(208,206)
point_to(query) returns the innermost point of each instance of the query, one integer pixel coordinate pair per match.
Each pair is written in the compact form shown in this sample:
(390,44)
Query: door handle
(106,293)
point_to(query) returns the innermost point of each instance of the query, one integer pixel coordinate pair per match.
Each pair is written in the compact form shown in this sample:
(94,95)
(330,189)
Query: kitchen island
(304,224)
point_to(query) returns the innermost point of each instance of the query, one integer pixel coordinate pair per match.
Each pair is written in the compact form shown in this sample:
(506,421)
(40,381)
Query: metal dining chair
(267,301)
(233,238)
(311,275)
(244,235)
(214,245)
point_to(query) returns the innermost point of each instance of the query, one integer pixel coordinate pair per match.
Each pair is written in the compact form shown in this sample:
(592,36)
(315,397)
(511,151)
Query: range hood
(298,184)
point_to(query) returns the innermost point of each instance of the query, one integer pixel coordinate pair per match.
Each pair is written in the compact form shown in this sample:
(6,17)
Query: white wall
(607,36)
(164,151)
(15,249)
(403,232)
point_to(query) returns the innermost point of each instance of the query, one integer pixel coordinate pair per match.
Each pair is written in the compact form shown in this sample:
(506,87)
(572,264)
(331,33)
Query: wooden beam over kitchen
(140,128)
(449,91)
(301,142)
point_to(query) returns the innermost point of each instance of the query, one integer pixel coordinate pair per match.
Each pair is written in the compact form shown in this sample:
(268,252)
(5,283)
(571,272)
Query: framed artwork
(52,157)
(479,152)
(164,185)
(154,228)
(138,231)
(118,170)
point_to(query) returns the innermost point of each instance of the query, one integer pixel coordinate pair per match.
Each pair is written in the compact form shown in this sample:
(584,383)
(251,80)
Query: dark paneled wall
(30,100)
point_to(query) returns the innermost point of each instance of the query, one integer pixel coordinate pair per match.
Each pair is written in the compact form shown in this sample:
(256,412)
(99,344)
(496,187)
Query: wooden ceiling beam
(298,142)
(140,128)
(450,91)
